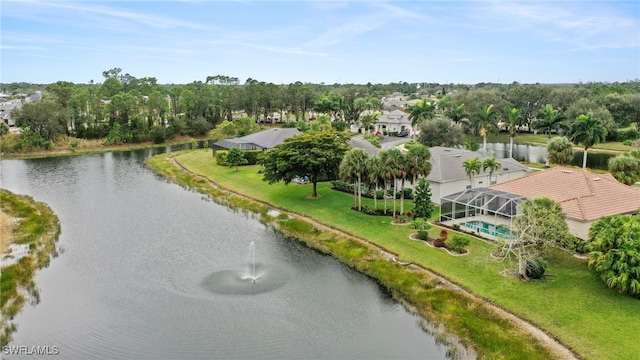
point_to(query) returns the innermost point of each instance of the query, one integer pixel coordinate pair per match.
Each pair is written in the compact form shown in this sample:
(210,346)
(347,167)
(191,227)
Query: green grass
(572,304)
(39,227)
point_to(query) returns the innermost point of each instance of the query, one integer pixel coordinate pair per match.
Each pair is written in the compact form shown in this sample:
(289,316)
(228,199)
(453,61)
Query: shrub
(628,142)
(221,157)
(252,156)
(423,234)
(535,268)
(457,243)
(339,125)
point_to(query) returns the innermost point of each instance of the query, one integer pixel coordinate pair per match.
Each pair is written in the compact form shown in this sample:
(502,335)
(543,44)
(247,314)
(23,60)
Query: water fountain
(252,251)
(238,280)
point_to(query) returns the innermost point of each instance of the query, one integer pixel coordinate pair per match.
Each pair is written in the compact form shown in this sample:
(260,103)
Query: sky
(461,42)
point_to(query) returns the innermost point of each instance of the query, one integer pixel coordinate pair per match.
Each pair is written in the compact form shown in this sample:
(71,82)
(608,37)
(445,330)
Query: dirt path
(560,350)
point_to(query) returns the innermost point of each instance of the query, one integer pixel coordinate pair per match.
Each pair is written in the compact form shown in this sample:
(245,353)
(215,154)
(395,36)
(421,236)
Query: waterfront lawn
(572,303)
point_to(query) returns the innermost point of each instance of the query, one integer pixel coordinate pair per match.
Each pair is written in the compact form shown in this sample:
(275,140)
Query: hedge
(250,155)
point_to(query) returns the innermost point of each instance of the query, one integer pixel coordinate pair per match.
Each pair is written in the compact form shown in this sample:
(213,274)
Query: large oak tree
(315,156)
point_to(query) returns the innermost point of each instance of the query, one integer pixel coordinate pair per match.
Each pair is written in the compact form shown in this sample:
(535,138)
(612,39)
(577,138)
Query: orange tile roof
(582,194)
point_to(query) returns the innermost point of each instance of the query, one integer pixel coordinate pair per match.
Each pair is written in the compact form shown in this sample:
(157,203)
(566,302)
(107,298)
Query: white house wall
(579,229)
(442,189)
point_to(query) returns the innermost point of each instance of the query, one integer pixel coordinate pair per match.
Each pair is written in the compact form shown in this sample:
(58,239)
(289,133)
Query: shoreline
(40,241)
(221,195)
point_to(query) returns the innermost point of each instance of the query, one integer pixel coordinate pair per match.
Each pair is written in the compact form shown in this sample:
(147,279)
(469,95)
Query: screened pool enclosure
(487,212)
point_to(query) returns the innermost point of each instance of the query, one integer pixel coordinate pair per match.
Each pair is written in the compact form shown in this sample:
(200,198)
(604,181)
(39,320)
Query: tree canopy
(614,245)
(315,156)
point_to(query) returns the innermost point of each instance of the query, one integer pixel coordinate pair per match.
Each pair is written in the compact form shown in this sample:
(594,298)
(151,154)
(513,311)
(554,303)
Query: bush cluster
(348,188)
(250,155)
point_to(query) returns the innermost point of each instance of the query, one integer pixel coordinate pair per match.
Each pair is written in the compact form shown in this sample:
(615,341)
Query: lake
(149,270)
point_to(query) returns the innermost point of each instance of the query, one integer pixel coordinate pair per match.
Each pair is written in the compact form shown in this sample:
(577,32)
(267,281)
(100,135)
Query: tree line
(126,109)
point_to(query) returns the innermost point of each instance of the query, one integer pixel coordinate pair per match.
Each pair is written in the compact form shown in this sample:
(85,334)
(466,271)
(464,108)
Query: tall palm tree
(353,168)
(588,131)
(492,164)
(515,119)
(386,172)
(549,119)
(421,111)
(418,162)
(485,121)
(394,169)
(375,176)
(472,167)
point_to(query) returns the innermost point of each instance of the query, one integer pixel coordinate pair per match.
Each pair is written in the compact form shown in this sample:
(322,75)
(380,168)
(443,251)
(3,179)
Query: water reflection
(538,154)
(137,279)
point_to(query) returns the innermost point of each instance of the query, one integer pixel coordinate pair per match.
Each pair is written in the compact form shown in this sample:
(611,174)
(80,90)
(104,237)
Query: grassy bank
(572,304)
(38,227)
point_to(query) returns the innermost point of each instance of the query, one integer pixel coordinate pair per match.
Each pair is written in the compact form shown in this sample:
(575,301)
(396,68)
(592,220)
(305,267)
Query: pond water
(149,270)
(538,154)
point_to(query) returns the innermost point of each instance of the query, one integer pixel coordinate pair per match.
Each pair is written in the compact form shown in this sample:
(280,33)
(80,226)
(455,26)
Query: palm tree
(515,118)
(457,114)
(559,150)
(386,173)
(417,162)
(421,111)
(588,131)
(484,121)
(549,119)
(492,164)
(369,119)
(353,168)
(472,167)
(394,169)
(375,176)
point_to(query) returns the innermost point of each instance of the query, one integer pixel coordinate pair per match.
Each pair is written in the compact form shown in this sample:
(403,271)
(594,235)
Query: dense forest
(126,109)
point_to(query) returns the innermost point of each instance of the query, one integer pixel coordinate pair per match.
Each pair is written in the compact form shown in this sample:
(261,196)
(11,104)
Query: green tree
(471,168)
(540,224)
(514,119)
(375,176)
(417,159)
(614,246)
(395,167)
(549,119)
(235,157)
(421,112)
(485,121)
(353,168)
(588,131)
(368,120)
(492,164)
(422,205)
(626,167)
(560,151)
(45,117)
(440,132)
(457,114)
(313,155)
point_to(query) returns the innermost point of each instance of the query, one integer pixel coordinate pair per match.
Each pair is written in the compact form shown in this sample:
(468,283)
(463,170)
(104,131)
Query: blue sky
(332,42)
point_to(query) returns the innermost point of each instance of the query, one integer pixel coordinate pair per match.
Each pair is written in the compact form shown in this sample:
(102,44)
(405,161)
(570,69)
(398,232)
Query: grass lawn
(572,303)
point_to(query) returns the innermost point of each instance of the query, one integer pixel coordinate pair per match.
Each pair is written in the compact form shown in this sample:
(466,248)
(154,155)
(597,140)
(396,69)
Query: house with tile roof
(448,176)
(584,196)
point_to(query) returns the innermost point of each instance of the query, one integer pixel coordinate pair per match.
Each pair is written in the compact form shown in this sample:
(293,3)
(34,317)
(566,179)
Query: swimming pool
(481,226)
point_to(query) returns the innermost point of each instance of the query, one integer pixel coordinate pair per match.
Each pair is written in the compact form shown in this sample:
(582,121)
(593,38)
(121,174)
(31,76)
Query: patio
(487,212)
